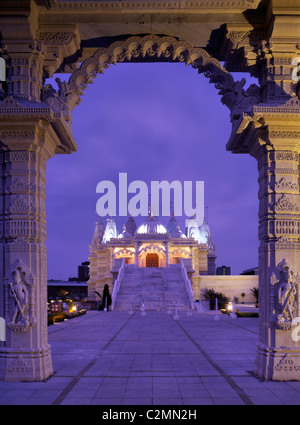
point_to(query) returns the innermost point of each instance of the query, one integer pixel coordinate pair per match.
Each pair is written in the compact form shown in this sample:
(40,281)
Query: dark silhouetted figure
(106,298)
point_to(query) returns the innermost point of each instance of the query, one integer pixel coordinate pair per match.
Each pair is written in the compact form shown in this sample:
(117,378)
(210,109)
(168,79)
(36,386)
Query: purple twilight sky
(155,122)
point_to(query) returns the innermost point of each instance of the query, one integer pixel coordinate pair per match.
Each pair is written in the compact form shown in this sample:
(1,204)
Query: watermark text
(188,197)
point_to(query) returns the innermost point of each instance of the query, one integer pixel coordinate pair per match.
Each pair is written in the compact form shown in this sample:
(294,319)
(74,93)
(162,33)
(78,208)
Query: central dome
(151,225)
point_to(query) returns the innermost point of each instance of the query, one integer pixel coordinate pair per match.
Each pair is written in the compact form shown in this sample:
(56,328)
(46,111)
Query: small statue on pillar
(19,308)
(286,293)
(19,296)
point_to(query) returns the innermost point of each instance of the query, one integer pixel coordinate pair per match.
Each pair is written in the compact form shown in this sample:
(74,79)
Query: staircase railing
(117,284)
(187,283)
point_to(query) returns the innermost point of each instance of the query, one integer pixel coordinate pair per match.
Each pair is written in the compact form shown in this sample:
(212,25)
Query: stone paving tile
(227,401)
(14,395)
(81,401)
(199,401)
(218,387)
(295,385)
(50,394)
(101,367)
(286,395)
(36,402)
(117,359)
(111,401)
(167,401)
(266,400)
(136,401)
(193,390)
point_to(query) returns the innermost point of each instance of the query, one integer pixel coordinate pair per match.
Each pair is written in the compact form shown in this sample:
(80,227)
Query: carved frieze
(157,4)
(288,227)
(15,228)
(287,365)
(287,171)
(16,134)
(123,251)
(285,204)
(291,134)
(60,37)
(20,205)
(18,186)
(285,243)
(19,156)
(21,186)
(286,185)
(19,367)
(20,244)
(288,109)
(287,156)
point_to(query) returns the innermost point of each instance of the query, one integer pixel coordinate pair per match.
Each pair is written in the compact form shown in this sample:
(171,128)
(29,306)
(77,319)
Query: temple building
(151,244)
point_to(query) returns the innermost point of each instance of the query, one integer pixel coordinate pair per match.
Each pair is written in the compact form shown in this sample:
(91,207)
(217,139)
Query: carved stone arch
(155,49)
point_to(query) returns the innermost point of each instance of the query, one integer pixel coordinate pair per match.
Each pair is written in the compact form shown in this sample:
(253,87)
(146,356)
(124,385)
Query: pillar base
(25,364)
(277,364)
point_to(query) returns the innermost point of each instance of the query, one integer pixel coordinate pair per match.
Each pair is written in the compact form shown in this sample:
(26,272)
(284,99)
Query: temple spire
(150,209)
(206,215)
(172,208)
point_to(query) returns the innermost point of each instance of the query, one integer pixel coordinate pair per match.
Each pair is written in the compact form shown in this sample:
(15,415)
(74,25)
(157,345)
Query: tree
(211,295)
(254,292)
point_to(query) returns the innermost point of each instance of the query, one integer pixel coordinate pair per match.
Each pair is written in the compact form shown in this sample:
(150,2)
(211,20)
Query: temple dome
(172,226)
(110,230)
(193,231)
(205,236)
(151,225)
(98,233)
(178,233)
(125,234)
(131,226)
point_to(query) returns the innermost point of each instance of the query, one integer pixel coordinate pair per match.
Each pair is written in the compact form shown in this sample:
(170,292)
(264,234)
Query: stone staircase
(157,287)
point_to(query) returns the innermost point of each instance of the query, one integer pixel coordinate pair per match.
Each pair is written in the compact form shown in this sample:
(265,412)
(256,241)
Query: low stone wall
(230,286)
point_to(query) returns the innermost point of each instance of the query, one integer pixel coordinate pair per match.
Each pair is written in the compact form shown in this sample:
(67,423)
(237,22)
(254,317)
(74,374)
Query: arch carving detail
(153,48)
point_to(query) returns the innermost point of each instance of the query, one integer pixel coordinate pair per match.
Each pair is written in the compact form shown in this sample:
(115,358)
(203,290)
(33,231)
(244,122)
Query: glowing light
(73,309)
(229,307)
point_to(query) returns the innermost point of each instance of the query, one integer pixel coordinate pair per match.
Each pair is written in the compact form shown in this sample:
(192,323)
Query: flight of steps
(157,288)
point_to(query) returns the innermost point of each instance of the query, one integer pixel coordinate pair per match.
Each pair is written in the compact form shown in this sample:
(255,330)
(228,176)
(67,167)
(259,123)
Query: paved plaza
(116,358)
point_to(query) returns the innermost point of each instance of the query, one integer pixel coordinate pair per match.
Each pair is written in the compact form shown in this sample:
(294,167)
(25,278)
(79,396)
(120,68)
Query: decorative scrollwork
(159,48)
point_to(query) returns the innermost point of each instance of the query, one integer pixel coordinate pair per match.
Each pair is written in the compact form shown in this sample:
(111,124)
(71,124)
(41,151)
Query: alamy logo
(2,69)
(2,330)
(296,70)
(138,204)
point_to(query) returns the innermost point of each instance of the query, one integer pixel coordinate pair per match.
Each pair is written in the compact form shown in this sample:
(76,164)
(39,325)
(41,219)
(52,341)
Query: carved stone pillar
(24,152)
(274,140)
(279,253)
(31,131)
(270,132)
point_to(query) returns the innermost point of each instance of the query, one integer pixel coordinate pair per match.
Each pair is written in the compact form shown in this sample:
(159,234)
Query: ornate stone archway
(155,49)
(253,36)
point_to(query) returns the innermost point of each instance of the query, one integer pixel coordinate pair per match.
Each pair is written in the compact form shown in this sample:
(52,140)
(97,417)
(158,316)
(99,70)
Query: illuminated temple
(149,245)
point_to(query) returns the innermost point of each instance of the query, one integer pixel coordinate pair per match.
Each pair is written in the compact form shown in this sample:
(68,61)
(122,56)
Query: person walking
(106,298)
